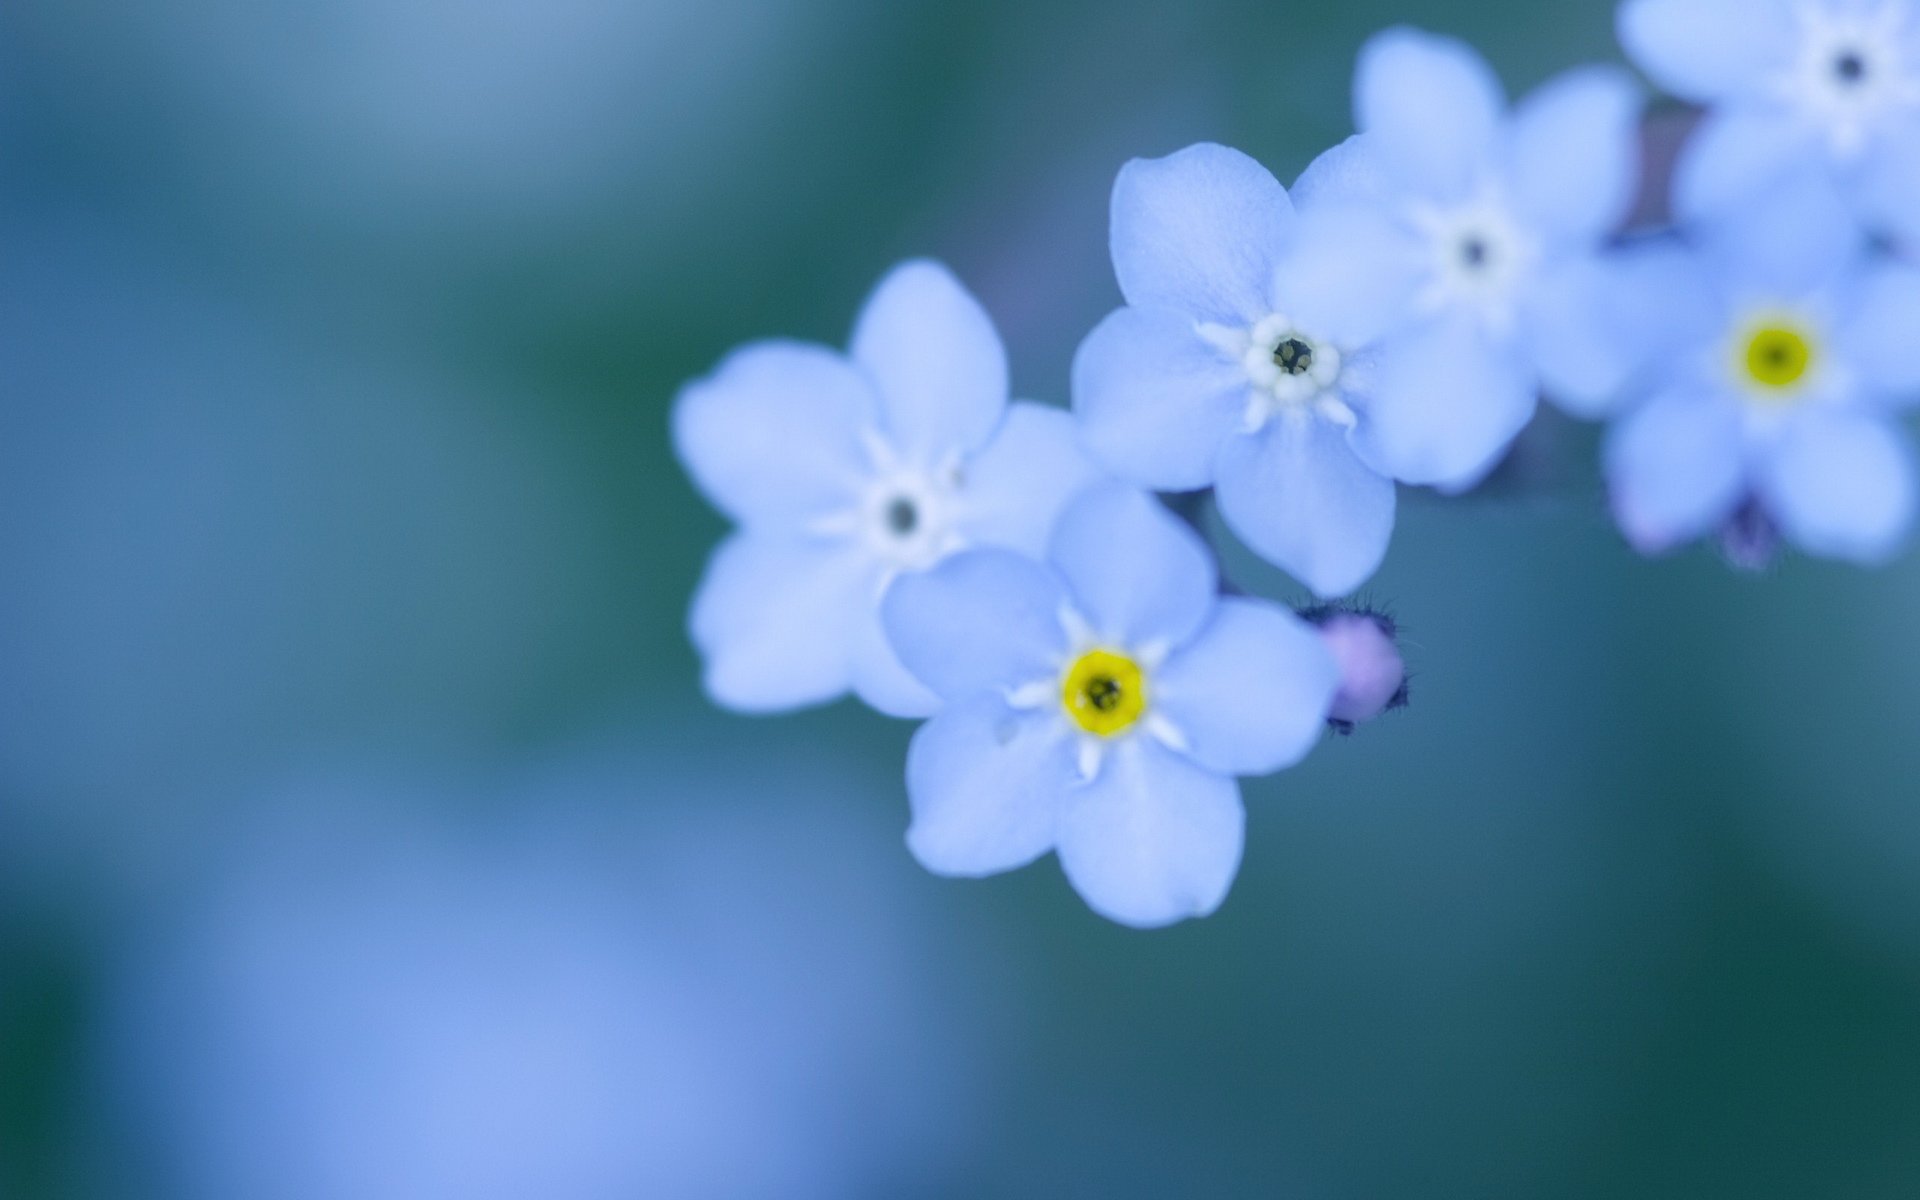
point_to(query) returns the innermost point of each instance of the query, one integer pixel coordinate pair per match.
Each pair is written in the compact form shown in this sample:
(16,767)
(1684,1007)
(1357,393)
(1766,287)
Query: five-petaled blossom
(845,472)
(1777,407)
(1218,372)
(1100,704)
(1792,86)
(1468,243)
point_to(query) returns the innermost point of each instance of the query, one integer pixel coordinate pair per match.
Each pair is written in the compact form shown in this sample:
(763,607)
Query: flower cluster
(1002,568)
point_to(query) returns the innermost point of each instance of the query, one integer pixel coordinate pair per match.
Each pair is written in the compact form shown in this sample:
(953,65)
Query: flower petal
(776,620)
(1251,693)
(1154,838)
(1432,106)
(1596,323)
(986,784)
(936,358)
(1349,173)
(1197,232)
(1154,400)
(1841,485)
(1881,333)
(1706,50)
(772,437)
(1734,156)
(1798,234)
(1016,487)
(1300,498)
(1888,182)
(1350,275)
(982,620)
(1675,470)
(881,681)
(1133,569)
(1443,404)
(1573,153)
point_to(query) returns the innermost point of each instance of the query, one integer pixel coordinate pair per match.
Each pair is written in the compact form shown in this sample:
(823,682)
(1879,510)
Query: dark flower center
(1103,692)
(1474,252)
(1849,67)
(1293,356)
(903,516)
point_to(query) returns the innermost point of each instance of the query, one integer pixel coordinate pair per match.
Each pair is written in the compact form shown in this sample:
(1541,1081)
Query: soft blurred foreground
(363,832)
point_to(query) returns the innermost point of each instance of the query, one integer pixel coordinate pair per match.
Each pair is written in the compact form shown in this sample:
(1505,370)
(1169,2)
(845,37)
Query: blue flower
(1831,86)
(1777,402)
(844,472)
(1441,268)
(1469,241)
(1100,704)
(1204,379)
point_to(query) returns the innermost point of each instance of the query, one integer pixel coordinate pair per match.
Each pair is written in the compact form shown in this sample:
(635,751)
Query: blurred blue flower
(1776,406)
(616,986)
(845,472)
(1100,705)
(1463,242)
(1203,379)
(1829,86)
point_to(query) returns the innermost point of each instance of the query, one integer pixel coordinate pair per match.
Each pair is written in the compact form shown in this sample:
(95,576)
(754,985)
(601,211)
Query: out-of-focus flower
(846,472)
(440,118)
(1209,377)
(1776,411)
(589,1000)
(1465,242)
(1100,705)
(1791,85)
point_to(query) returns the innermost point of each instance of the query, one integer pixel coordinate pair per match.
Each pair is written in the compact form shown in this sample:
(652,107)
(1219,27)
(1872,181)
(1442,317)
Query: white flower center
(907,515)
(1477,257)
(1855,70)
(1289,369)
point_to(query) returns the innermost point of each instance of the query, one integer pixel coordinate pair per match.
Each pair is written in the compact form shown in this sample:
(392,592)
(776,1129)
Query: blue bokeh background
(363,831)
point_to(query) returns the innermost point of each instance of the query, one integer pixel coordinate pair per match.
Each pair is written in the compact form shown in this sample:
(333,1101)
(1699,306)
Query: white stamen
(1166,732)
(1032,695)
(1090,755)
(1080,633)
(1336,411)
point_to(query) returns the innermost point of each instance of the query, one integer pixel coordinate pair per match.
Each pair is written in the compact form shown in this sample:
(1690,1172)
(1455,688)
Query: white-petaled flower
(1831,86)
(1100,704)
(846,471)
(1777,407)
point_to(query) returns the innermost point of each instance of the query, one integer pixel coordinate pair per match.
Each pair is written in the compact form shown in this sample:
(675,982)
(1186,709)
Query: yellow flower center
(1104,692)
(1778,357)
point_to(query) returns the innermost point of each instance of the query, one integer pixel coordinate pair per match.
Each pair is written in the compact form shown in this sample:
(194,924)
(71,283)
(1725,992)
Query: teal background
(336,348)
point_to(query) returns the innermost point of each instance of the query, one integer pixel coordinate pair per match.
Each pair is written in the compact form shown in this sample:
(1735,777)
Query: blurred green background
(337,341)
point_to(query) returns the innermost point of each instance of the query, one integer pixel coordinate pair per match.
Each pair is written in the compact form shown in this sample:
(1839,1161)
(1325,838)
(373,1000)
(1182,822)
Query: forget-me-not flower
(1470,239)
(846,471)
(1440,268)
(1100,704)
(1790,85)
(1778,404)
(1211,376)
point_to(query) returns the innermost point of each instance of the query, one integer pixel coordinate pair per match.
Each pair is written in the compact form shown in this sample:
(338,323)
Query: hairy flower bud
(1373,676)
